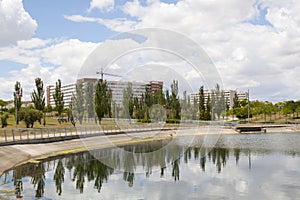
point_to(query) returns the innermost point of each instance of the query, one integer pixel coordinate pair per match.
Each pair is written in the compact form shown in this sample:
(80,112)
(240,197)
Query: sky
(254,44)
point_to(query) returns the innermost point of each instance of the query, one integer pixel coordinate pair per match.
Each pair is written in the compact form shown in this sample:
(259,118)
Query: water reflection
(83,168)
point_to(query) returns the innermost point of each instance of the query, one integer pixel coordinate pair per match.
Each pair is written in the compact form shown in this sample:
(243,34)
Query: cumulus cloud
(254,44)
(49,59)
(117,24)
(103,5)
(15,23)
(263,57)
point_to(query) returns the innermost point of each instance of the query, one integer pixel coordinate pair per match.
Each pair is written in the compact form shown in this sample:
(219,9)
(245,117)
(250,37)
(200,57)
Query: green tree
(29,116)
(220,105)
(18,99)
(48,108)
(3,104)
(128,103)
(89,99)
(4,118)
(70,113)
(38,98)
(103,98)
(195,110)
(58,97)
(78,103)
(208,109)
(201,104)
(235,101)
(174,100)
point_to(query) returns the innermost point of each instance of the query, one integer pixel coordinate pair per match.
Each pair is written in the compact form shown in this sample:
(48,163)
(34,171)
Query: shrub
(4,118)
(29,116)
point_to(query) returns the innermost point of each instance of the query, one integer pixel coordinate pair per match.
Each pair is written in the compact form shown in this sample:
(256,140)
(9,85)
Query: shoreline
(15,155)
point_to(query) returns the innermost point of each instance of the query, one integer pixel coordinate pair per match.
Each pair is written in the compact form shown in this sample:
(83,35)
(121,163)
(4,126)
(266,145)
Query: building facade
(117,88)
(67,90)
(228,95)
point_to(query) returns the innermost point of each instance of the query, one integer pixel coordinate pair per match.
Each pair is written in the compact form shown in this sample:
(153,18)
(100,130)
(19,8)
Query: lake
(242,166)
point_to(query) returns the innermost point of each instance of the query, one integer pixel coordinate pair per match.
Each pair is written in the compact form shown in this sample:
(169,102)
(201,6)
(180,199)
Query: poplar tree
(89,99)
(78,106)
(38,97)
(201,104)
(18,99)
(208,109)
(103,98)
(58,97)
(128,103)
(175,104)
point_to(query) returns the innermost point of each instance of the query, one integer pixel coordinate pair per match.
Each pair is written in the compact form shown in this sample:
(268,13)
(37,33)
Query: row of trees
(267,111)
(94,101)
(35,112)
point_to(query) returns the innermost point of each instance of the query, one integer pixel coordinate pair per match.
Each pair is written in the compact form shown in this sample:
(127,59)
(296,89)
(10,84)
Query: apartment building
(228,95)
(117,88)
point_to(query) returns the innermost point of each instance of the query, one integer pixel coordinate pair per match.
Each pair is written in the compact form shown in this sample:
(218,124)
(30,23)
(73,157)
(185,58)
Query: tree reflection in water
(59,176)
(83,167)
(38,179)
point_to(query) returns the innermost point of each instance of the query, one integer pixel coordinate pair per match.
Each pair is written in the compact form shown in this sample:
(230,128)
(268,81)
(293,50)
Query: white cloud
(48,59)
(117,24)
(264,58)
(15,23)
(103,5)
(260,57)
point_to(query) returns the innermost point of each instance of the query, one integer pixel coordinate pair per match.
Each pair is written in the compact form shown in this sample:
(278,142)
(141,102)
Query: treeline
(287,111)
(94,101)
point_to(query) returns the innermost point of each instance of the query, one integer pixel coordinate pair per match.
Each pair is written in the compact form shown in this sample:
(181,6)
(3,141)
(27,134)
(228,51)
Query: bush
(29,116)
(4,118)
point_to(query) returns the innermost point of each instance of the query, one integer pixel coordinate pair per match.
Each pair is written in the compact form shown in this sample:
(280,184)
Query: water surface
(250,166)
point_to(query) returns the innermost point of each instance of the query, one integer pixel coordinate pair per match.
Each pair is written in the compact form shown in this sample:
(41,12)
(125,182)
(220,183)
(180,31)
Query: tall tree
(103,98)
(208,109)
(220,104)
(235,101)
(18,99)
(38,98)
(78,104)
(89,100)
(201,104)
(175,104)
(128,103)
(213,104)
(58,97)
(195,109)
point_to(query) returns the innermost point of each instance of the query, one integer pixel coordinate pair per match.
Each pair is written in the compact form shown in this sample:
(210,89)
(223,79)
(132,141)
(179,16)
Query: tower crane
(104,73)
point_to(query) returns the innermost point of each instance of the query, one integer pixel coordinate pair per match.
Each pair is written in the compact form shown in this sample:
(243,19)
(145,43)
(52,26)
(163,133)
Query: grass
(275,118)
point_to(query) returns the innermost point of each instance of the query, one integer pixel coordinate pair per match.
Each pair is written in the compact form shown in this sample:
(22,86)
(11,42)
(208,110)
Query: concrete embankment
(13,155)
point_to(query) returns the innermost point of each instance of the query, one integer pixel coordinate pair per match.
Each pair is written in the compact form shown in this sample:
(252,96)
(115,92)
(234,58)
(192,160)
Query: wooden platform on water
(242,129)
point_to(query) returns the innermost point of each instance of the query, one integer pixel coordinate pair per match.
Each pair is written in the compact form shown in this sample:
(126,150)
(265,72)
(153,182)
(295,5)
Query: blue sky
(254,44)
(50,17)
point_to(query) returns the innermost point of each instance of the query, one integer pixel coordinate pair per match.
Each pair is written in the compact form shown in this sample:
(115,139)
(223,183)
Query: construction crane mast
(104,73)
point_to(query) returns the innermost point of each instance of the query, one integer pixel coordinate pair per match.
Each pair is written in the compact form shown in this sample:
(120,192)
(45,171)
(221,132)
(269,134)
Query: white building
(117,88)
(228,95)
(67,90)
